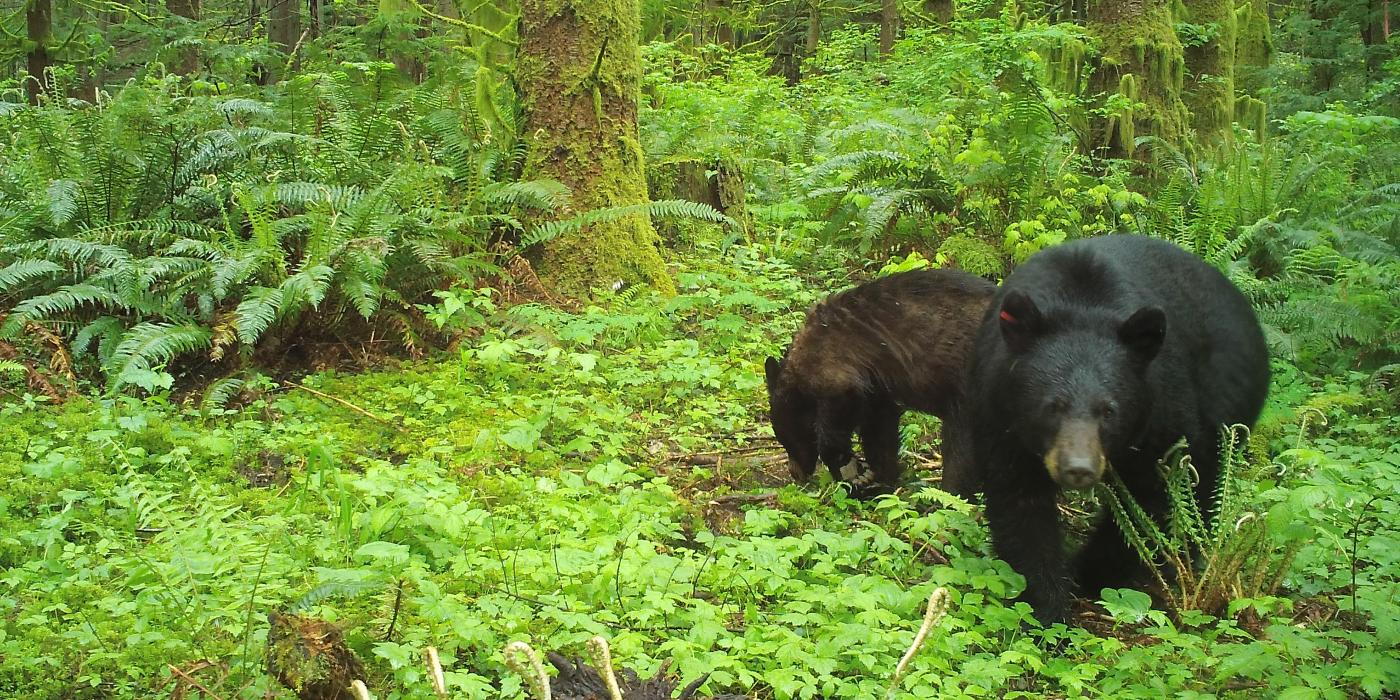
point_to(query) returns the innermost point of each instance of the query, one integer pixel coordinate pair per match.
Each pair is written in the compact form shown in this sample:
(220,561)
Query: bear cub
(1100,354)
(865,355)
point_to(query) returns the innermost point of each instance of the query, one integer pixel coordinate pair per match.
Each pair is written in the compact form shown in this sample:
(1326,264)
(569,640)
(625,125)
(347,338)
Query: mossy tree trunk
(1142,61)
(1254,47)
(579,72)
(39,22)
(889,25)
(814,27)
(1209,91)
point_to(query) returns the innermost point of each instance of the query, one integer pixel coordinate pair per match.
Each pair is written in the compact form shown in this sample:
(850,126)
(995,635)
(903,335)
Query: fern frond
(106,328)
(62,197)
(256,313)
(673,208)
(25,271)
(152,343)
(220,392)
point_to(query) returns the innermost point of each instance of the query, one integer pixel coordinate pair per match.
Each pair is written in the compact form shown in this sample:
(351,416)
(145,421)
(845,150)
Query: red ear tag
(1006,316)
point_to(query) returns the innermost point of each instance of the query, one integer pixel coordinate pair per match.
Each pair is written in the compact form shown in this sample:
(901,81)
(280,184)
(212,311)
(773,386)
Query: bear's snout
(1075,460)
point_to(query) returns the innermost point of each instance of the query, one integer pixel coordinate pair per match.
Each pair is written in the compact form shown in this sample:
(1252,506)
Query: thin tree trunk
(814,27)
(889,25)
(284,25)
(1325,53)
(39,18)
(1209,91)
(579,73)
(1375,33)
(940,10)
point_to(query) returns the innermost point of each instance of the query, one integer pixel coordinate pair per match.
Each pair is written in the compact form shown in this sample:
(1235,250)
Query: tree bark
(284,25)
(1209,89)
(889,25)
(940,10)
(1325,52)
(39,18)
(188,60)
(579,72)
(1142,60)
(1375,33)
(814,27)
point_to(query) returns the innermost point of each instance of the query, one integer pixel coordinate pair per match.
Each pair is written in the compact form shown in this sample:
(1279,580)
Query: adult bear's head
(1076,389)
(794,420)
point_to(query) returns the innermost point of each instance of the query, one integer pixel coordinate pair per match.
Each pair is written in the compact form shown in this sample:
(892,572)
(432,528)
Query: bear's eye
(1059,404)
(1106,409)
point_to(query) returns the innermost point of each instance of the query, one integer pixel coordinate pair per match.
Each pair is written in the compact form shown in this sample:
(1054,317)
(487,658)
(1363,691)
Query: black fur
(863,357)
(1103,353)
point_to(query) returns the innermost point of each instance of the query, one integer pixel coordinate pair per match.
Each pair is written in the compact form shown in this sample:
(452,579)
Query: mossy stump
(719,184)
(309,657)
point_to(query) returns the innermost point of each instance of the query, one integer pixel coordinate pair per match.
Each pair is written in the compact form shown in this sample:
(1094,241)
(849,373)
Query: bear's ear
(1020,320)
(1144,331)
(772,367)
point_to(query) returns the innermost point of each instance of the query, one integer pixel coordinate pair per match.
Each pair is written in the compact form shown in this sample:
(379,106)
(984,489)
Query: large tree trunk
(889,25)
(188,60)
(1209,91)
(579,71)
(284,25)
(1142,60)
(39,17)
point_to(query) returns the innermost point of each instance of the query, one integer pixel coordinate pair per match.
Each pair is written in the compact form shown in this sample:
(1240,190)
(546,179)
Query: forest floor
(610,471)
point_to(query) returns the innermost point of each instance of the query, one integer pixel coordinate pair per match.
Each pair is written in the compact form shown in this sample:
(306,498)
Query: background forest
(441,322)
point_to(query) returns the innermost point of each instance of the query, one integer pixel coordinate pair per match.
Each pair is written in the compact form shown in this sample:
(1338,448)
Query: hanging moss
(1138,39)
(1209,92)
(579,71)
(1252,114)
(1126,120)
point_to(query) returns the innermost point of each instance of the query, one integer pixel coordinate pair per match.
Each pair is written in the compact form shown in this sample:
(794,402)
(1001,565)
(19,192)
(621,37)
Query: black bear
(865,355)
(1099,354)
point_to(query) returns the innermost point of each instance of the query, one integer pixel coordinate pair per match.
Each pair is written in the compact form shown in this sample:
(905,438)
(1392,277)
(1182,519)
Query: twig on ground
(742,498)
(937,608)
(196,684)
(342,402)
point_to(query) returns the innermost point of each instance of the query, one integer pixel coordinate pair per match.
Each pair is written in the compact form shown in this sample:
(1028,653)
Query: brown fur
(866,354)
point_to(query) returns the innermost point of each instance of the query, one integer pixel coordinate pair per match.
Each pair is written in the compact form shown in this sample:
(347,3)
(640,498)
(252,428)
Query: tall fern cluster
(1307,224)
(978,163)
(161,227)
(1240,555)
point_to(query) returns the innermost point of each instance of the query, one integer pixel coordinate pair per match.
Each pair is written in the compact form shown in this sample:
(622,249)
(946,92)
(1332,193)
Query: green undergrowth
(542,482)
